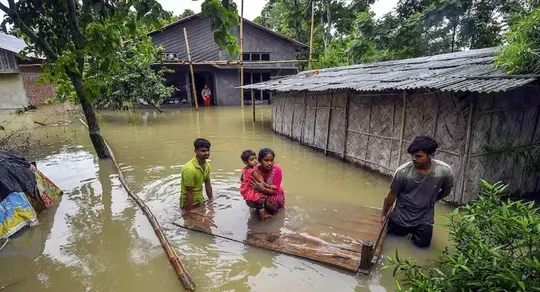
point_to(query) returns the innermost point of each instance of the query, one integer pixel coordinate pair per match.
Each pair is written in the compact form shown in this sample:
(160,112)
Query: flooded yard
(97,239)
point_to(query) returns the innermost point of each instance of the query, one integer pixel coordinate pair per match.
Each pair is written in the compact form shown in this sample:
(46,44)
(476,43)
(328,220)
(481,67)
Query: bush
(496,248)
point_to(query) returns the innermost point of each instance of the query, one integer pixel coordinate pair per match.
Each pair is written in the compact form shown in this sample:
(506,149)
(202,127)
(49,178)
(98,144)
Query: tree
(224,20)
(495,249)
(79,39)
(186,13)
(522,54)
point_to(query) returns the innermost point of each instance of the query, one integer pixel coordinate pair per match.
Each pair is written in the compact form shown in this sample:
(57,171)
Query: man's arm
(188,205)
(388,203)
(448,184)
(208,188)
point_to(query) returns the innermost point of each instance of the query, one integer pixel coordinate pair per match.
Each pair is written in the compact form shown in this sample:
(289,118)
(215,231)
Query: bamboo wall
(370,131)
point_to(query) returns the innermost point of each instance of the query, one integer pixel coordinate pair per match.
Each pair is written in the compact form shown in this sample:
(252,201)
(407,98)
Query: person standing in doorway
(415,188)
(194,174)
(206,94)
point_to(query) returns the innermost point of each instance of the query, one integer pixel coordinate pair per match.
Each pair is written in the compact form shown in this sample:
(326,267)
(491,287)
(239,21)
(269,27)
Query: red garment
(206,100)
(246,191)
(278,199)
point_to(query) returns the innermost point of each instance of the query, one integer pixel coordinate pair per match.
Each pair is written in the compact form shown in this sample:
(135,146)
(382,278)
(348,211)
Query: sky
(252,8)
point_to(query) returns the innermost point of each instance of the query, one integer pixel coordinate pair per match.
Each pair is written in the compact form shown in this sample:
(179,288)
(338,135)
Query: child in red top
(250,173)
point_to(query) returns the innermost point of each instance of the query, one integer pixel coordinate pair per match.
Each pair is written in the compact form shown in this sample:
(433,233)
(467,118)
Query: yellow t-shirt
(193,175)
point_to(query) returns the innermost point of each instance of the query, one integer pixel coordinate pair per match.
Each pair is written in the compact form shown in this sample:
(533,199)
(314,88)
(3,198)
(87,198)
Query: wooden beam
(242,56)
(366,257)
(252,99)
(233,63)
(304,119)
(328,123)
(194,94)
(346,129)
(467,150)
(311,35)
(402,131)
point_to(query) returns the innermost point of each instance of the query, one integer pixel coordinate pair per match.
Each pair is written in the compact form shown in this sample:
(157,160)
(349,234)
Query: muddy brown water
(97,239)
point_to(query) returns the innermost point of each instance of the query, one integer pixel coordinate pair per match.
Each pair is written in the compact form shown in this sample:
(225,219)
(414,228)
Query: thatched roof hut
(367,114)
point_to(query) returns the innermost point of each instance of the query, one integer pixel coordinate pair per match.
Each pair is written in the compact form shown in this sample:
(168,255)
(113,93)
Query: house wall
(504,119)
(12,94)
(365,129)
(37,93)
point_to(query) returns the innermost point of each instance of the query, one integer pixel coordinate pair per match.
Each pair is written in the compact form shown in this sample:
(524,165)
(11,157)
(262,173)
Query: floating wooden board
(324,238)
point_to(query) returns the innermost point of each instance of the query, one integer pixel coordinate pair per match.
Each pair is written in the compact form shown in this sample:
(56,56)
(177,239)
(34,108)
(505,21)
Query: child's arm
(259,179)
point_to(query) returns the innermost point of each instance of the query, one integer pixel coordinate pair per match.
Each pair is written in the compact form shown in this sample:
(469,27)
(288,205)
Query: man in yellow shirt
(195,172)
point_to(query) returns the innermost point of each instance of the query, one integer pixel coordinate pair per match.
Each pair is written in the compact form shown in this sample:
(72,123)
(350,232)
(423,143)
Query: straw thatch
(366,129)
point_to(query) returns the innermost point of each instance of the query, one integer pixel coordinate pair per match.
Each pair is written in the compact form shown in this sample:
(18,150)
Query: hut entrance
(202,79)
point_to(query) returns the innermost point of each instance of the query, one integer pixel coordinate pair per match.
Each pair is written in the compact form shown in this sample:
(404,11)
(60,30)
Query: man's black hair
(246,154)
(423,143)
(265,151)
(201,143)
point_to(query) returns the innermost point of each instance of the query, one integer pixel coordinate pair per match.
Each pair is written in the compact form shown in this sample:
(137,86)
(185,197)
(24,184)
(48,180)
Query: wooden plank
(343,251)
(346,128)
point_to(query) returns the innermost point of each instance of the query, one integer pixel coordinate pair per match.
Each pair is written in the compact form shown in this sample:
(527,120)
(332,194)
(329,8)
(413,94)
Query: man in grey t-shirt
(415,188)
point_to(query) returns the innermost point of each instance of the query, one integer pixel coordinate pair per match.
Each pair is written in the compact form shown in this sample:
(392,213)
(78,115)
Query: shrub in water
(496,248)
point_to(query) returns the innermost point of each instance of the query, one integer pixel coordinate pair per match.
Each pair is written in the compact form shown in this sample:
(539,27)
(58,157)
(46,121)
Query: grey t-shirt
(417,193)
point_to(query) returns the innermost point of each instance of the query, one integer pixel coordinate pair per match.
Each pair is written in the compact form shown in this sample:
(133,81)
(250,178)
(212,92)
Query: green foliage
(186,13)
(495,249)
(224,20)
(522,54)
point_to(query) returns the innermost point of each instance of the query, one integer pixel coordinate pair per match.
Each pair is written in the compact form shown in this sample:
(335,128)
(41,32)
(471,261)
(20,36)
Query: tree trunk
(90,116)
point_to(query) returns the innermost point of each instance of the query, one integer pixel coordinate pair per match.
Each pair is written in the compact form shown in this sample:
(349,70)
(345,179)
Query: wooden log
(252,99)
(181,272)
(328,123)
(194,94)
(402,131)
(242,57)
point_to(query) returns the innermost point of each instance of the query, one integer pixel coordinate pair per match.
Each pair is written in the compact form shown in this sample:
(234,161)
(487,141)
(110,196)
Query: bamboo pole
(328,124)
(181,272)
(402,131)
(232,63)
(467,151)
(346,134)
(311,35)
(194,94)
(242,56)
(252,99)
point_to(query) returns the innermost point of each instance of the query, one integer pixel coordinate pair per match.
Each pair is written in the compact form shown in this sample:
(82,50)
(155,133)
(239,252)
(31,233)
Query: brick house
(18,77)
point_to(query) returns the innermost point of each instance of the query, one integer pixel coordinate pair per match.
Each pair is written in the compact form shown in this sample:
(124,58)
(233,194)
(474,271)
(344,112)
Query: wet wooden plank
(332,241)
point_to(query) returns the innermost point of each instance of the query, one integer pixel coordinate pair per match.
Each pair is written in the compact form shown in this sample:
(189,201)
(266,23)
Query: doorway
(202,79)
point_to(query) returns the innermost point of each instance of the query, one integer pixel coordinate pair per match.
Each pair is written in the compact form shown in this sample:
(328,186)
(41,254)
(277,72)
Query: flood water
(97,239)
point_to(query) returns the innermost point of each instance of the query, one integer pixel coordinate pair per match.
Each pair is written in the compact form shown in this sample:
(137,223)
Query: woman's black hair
(246,154)
(423,143)
(265,151)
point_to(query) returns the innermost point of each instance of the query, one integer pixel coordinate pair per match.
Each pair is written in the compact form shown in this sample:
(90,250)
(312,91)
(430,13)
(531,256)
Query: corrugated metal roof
(462,71)
(11,43)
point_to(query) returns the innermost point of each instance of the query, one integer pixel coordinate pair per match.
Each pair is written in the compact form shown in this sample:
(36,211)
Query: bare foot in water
(263,215)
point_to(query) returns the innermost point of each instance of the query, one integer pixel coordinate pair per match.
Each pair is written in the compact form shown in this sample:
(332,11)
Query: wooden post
(192,73)
(304,120)
(242,57)
(252,99)
(311,37)
(402,131)
(366,257)
(467,151)
(346,129)
(328,123)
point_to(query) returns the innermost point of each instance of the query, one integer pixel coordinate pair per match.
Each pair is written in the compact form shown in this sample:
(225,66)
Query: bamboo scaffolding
(194,94)
(232,63)
(311,35)
(242,56)
(181,272)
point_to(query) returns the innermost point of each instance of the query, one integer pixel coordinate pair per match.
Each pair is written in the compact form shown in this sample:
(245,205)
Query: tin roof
(11,43)
(462,71)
